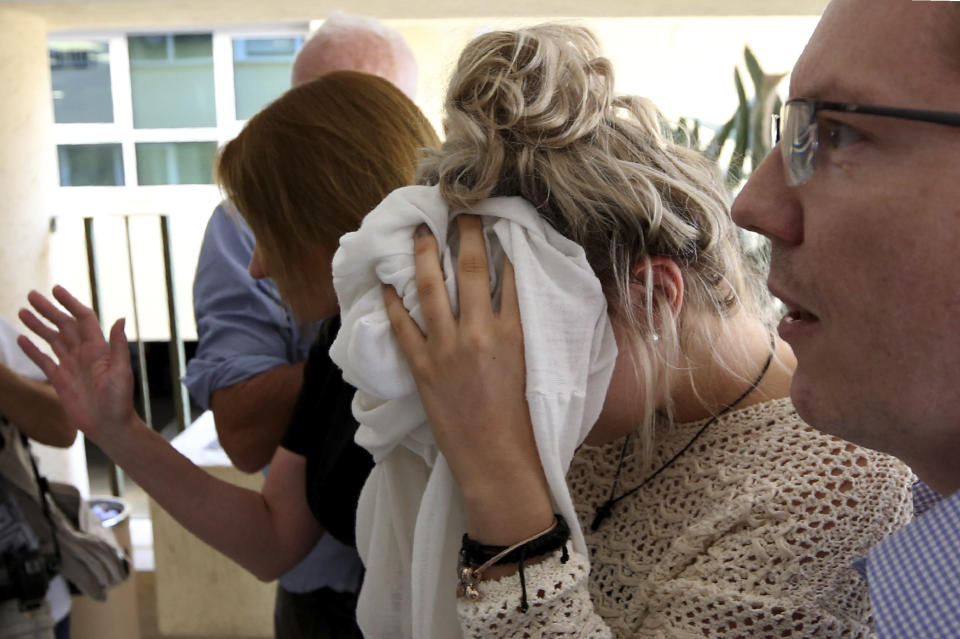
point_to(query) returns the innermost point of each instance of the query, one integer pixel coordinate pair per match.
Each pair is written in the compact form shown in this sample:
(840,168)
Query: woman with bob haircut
(708,507)
(302,172)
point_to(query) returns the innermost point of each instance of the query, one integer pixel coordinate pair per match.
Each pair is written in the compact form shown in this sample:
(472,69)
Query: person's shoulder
(946,510)
(777,421)
(767,421)
(227,247)
(227,221)
(797,457)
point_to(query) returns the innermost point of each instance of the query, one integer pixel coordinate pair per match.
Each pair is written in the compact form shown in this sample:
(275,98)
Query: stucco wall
(126,13)
(26,158)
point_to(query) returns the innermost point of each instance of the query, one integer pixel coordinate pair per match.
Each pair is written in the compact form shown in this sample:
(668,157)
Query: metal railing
(181,400)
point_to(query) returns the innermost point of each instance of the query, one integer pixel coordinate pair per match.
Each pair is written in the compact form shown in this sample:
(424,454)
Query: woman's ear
(666,278)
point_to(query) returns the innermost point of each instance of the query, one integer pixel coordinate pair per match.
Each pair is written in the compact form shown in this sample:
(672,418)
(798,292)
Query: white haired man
(250,355)
(861,202)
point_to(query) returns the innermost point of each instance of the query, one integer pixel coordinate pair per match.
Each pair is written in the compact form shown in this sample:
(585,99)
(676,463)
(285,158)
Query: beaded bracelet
(475,557)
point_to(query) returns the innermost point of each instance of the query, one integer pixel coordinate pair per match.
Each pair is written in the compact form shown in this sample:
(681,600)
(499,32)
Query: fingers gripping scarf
(410,517)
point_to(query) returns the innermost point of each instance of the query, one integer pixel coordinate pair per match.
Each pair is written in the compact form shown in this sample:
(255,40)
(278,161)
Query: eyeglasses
(799,128)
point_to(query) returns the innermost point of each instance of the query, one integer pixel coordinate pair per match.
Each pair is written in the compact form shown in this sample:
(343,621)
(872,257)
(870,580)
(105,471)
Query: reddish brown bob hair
(309,166)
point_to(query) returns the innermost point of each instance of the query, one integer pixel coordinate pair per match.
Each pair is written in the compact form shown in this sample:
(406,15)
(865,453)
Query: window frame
(121,130)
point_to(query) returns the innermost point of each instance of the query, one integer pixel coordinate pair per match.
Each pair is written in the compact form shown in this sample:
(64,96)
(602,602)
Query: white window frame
(131,197)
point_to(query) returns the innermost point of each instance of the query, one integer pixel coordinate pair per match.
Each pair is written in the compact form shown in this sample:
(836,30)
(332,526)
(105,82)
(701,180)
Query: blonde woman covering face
(709,508)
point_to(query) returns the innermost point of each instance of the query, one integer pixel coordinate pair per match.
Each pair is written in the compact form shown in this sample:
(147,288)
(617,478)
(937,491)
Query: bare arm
(252,416)
(265,533)
(33,406)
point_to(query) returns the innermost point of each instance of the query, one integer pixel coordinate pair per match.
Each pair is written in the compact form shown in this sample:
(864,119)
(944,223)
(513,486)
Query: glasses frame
(799,167)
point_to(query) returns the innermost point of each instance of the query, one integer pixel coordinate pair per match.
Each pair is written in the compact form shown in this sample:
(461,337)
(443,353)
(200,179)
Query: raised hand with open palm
(91,376)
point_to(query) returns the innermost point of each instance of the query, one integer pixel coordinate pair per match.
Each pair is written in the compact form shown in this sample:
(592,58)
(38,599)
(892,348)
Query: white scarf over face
(410,517)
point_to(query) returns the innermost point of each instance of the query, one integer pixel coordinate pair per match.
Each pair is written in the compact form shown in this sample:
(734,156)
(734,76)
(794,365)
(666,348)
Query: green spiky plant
(748,128)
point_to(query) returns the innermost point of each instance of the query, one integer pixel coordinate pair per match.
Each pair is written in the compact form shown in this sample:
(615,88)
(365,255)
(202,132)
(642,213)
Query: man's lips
(795,312)
(798,322)
(799,315)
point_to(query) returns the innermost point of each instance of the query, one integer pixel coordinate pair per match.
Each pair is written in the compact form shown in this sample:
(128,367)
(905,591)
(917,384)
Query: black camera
(25,574)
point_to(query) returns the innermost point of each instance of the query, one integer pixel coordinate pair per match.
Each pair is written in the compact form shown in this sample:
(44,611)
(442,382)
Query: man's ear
(667,282)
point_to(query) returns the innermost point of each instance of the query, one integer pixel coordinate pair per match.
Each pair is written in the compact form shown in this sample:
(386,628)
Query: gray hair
(347,42)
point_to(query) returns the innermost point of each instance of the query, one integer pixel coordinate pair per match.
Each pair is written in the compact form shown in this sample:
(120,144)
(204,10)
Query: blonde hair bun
(542,86)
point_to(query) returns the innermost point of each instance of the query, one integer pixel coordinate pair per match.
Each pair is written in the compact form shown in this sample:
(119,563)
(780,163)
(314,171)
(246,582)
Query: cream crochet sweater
(750,534)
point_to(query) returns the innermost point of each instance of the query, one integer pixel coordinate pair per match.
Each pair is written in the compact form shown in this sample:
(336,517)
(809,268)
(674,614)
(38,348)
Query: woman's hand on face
(92,378)
(470,374)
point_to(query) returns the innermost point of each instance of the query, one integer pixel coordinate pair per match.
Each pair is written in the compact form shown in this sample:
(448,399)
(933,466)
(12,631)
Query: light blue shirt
(914,574)
(244,329)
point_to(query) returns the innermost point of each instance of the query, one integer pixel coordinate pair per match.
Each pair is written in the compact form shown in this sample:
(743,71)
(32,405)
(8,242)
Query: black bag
(66,527)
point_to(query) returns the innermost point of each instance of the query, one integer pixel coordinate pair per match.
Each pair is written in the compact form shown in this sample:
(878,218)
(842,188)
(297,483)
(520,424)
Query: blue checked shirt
(914,574)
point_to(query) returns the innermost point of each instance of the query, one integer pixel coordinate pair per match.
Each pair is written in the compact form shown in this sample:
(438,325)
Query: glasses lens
(799,142)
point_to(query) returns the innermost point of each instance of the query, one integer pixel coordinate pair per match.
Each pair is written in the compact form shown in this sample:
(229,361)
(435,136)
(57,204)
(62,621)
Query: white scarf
(410,516)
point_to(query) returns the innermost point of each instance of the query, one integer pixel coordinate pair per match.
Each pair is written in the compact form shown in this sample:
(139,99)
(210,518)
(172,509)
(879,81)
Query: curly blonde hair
(533,113)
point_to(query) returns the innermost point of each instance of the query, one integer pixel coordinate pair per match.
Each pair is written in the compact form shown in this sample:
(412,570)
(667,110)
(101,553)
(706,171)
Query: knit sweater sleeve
(559,600)
(682,608)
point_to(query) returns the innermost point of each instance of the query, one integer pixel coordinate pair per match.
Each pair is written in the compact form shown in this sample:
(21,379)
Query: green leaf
(756,73)
(716,145)
(679,134)
(695,135)
(742,140)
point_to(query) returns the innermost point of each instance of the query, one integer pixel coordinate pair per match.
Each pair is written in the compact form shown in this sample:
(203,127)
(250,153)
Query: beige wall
(126,13)
(27,180)
(27,169)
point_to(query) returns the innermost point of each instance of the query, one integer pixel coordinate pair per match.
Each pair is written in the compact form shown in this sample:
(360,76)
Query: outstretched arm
(265,533)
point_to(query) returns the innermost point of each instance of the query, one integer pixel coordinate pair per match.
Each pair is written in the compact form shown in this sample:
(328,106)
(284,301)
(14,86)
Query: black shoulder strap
(44,486)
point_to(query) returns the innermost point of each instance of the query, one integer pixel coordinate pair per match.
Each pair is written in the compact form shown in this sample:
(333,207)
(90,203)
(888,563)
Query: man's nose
(767,205)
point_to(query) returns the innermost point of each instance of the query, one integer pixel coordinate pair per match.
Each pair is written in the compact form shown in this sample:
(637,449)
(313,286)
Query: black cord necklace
(606,508)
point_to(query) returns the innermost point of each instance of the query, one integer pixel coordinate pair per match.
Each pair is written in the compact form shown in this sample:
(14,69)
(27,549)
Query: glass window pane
(80,79)
(90,164)
(171,78)
(175,162)
(192,45)
(261,71)
(148,47)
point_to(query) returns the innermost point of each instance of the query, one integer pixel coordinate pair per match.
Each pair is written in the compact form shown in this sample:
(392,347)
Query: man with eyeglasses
(861,201)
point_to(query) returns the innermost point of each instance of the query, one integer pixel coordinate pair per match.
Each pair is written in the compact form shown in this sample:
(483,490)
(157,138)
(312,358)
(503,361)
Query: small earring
(654,338)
